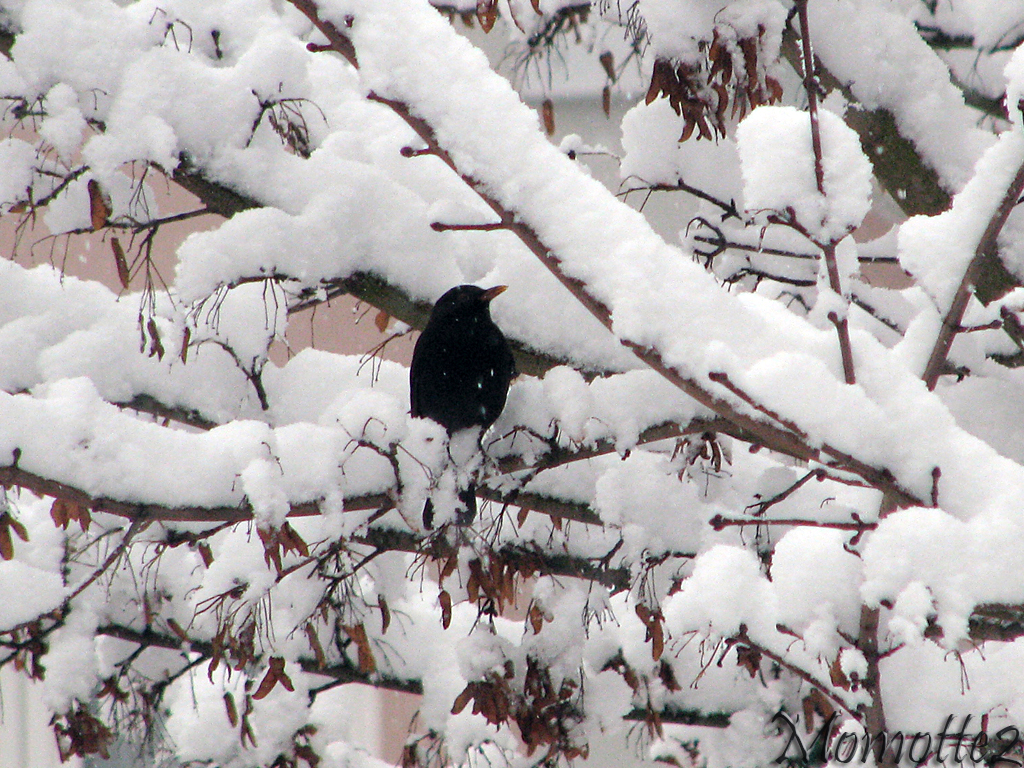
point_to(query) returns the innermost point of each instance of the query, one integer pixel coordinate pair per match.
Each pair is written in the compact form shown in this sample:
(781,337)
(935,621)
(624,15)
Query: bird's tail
(428,515)
(464,516)
(468,498)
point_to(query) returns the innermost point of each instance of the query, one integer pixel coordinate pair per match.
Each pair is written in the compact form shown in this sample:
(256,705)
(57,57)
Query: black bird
(461,369)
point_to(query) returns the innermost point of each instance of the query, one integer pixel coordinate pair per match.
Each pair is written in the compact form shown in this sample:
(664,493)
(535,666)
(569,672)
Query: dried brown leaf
(486,13)
(175,627)
(278,664)
(816,703)
(462,699)
(449,567)
(536,617)
(156,347)
(185,338)
(99,205)
(123,272)
(547,113)
(446,608)
(82,515)
(267,683)
(6,545)
(59,513)
(314,643)
(836,674)
(291,541)
(655,87)
(18,528)
(232,710)
(657,639)
(749,658)
(247,734)
(365,659)
(667,675)
(206,553)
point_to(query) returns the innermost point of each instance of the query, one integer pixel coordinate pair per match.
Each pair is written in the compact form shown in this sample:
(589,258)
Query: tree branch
(988,247)
(828,249)
(341,672)
(827,690)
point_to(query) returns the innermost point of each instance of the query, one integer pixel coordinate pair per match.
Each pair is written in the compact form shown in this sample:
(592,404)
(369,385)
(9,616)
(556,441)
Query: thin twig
(136,525)
(719,522)
(766,504)
(729,210)
(827,690)
(828,249)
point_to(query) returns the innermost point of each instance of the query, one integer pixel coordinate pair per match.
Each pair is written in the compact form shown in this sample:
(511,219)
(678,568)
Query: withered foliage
(718,90)
(79,734)
(544,711)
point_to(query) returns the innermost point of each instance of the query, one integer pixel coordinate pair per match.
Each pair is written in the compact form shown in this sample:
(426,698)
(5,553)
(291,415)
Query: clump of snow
(39,591)
(16,160)
(270,505)
(64,123)
(910,614)
(654,154)
(993,21)
(816,578)
(726,589)
(644,495)
(197,702)
(778,170)
(71,661)
(914,547)
(677,27)
(245,320)
(375,417)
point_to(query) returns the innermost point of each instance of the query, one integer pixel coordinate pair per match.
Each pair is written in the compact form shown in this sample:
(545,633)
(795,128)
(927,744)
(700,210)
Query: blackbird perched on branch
(461,369)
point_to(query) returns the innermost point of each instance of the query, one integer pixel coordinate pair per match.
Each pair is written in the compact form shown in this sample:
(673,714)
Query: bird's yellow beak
(491,293)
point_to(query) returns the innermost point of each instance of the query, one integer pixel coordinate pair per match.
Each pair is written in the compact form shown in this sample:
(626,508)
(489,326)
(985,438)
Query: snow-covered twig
(828,249)
(743,638)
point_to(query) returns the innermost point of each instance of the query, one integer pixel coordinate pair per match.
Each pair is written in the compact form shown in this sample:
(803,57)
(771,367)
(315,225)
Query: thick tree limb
(378,537)
(152,406)
(13,475)
(987,248)
(344,673)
